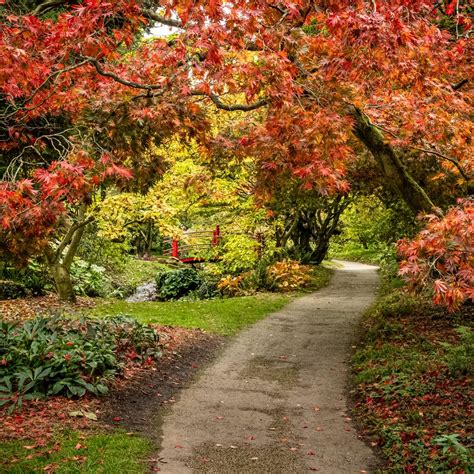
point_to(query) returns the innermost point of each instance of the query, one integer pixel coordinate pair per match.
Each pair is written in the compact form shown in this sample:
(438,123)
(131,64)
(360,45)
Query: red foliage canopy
(305,64)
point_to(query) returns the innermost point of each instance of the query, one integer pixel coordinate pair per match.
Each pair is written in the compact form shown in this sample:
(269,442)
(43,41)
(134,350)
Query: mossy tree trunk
(59,260)
(397,176)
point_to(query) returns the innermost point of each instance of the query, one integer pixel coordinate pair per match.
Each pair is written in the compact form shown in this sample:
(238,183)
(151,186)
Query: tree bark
(60,265)
(62,280)
(397,176)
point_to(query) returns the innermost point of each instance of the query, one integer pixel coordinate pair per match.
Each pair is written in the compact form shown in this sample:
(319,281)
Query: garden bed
(60,432)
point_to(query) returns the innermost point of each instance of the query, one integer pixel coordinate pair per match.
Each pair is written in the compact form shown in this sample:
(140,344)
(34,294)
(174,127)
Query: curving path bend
(274,401)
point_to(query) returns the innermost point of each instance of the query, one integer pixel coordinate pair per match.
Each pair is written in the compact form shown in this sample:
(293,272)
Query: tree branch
(232,107)
(125,82)
(458,86)
(444,157)
(44,84)
(69,237)
(151,15)
(43,7)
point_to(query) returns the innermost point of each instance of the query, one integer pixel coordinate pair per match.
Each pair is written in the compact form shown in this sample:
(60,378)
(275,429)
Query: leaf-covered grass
(412,383)
(221,316)
(74,453)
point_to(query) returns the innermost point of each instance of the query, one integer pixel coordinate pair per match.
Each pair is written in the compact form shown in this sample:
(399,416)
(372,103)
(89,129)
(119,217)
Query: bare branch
(120,80)
(151,15)
(232,107)
(44,7)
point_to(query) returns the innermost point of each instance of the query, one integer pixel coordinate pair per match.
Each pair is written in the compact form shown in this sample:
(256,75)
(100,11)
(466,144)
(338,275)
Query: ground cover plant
(91,434)
(413,376)
(60,356)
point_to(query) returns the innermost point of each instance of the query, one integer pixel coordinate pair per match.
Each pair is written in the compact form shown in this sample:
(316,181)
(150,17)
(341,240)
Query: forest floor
(275,400)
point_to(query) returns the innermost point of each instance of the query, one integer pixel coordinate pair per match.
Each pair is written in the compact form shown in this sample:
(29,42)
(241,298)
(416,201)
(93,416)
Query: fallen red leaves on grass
(411,398)
(37,420)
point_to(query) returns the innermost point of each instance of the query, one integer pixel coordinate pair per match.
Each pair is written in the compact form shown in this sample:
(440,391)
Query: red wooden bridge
(192,244)
(197,246)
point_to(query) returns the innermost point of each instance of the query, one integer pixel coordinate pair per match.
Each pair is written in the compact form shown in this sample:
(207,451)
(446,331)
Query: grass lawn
(72,453)
(222,316)
(225,316)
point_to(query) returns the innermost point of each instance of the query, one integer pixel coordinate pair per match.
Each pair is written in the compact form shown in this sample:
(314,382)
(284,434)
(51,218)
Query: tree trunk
(62,281)
(60,259)
(397,176)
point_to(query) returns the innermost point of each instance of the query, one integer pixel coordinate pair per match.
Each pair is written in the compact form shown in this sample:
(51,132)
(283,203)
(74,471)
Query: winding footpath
(275,400)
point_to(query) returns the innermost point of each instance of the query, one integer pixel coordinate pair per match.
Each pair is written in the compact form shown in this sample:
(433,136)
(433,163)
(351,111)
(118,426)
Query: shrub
(440,259)
(32,279)
(11,289)
(240,254)
(289,275)
(177,283)
(207,289)
(232,286)
(89,279)
(50,356)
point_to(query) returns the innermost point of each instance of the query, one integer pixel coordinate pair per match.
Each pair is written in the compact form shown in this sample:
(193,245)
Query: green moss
(99,453)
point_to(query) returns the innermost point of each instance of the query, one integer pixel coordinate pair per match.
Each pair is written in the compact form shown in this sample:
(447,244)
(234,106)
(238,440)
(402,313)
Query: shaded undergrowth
(413,390)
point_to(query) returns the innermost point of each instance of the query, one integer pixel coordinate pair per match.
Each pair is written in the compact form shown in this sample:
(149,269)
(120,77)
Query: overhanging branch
(232,107)
(44,7)
(151,15)
(120,80)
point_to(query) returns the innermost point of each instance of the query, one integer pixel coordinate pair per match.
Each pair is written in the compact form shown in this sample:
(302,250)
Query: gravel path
(274,400)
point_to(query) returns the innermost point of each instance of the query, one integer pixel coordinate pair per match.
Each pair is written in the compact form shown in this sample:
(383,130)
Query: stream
(145,292)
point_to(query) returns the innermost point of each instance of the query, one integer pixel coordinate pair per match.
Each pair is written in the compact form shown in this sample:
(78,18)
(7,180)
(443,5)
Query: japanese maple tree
(330,79)
(441,257)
